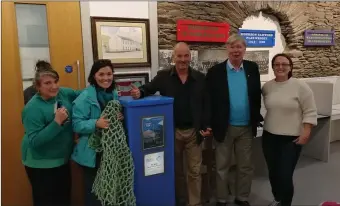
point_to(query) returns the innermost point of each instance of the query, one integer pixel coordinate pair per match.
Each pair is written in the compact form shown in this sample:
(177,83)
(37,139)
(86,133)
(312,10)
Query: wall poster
(203,60)
(152,132)
(165,59)
(154,163)
(210,57)
(261,58)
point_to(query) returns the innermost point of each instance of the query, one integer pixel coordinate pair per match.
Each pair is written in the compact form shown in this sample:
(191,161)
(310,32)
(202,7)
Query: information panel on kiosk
(153,132)
(153,137)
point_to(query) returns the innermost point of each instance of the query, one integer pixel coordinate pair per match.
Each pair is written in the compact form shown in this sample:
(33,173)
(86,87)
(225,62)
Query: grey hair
(234,38)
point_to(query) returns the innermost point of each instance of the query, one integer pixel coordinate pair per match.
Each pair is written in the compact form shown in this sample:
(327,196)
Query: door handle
(78,73)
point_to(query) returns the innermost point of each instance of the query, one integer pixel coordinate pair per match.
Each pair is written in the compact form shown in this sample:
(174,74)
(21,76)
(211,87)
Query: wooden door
(64,47)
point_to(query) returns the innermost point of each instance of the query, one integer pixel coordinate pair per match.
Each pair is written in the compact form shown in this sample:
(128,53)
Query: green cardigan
(47,144)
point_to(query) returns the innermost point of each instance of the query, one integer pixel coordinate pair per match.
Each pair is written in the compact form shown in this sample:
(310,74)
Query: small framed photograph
(124,81)
(125,41)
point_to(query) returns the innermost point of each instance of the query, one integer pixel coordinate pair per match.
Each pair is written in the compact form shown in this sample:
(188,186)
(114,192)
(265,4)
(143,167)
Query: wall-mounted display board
(319,38)
(261,58)
(209,57)
(198,31)
(200,60)
(258,38)
(165,59)
(203,60)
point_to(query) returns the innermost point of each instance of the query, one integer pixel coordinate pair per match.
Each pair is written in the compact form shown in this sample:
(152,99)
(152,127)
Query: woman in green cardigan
(48,141)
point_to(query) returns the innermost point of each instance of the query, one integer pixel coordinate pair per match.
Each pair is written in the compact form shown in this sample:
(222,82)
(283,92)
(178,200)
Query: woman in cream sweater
(291,114)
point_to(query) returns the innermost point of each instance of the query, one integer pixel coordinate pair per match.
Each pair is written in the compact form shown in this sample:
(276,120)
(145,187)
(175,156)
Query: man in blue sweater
(235,96)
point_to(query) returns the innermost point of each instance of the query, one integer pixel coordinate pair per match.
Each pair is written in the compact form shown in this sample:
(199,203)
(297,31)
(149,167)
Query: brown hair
(43,65)
(97,65)
(43,68)
(290,74)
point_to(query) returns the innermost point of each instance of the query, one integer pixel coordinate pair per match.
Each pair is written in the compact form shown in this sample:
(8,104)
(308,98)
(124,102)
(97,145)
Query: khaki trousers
(186,142)
(232,180)
(238,140)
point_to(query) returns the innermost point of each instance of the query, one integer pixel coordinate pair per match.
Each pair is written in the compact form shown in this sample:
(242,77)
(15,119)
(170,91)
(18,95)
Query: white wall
(266,22)
(125,9)
(128,9)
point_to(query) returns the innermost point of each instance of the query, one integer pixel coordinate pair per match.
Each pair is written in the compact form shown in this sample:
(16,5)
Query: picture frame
(125,41)
(124,81)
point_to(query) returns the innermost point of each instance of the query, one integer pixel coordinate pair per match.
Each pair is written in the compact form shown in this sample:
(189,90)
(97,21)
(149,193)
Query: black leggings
(51,186)
(281,155)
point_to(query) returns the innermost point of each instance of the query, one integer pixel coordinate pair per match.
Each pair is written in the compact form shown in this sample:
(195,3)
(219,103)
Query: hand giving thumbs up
(135,92)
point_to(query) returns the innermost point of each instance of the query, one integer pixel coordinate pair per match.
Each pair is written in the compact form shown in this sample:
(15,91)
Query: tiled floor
(315,182)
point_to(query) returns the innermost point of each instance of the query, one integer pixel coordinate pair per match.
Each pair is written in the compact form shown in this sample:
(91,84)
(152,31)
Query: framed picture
(125,41)
(124,81)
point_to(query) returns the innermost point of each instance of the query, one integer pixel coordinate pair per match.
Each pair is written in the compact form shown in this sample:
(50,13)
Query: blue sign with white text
(258,38)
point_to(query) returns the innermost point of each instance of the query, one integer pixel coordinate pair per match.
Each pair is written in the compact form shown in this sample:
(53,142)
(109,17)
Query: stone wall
(294,18)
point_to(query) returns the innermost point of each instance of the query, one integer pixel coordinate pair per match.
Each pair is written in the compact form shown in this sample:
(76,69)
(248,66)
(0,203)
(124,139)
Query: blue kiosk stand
(150,131)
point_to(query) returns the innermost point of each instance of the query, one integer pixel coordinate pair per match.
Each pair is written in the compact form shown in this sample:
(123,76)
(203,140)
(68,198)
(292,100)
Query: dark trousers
(50,187)
(89,177)
(281,155)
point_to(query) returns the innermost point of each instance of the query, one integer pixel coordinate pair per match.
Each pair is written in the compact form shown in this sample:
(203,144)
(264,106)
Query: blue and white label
(258,38)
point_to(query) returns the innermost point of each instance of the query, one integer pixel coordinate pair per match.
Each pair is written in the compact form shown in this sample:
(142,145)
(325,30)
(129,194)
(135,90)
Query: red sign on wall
(197,31)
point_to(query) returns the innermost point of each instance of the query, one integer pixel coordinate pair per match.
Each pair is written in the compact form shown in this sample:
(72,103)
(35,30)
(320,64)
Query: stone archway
(292,18)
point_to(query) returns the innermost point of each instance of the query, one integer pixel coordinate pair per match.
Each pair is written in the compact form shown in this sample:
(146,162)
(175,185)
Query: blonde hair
(234,38)
(44,68)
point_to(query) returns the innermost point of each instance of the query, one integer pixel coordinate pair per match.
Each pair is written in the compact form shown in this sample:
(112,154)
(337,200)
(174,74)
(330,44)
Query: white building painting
(121,39)
(120,44)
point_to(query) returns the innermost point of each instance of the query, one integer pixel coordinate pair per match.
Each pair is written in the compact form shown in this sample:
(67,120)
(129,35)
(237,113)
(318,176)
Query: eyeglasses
(283,65)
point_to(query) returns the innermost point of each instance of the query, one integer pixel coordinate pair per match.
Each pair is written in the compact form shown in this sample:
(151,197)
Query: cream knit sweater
(289,104)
